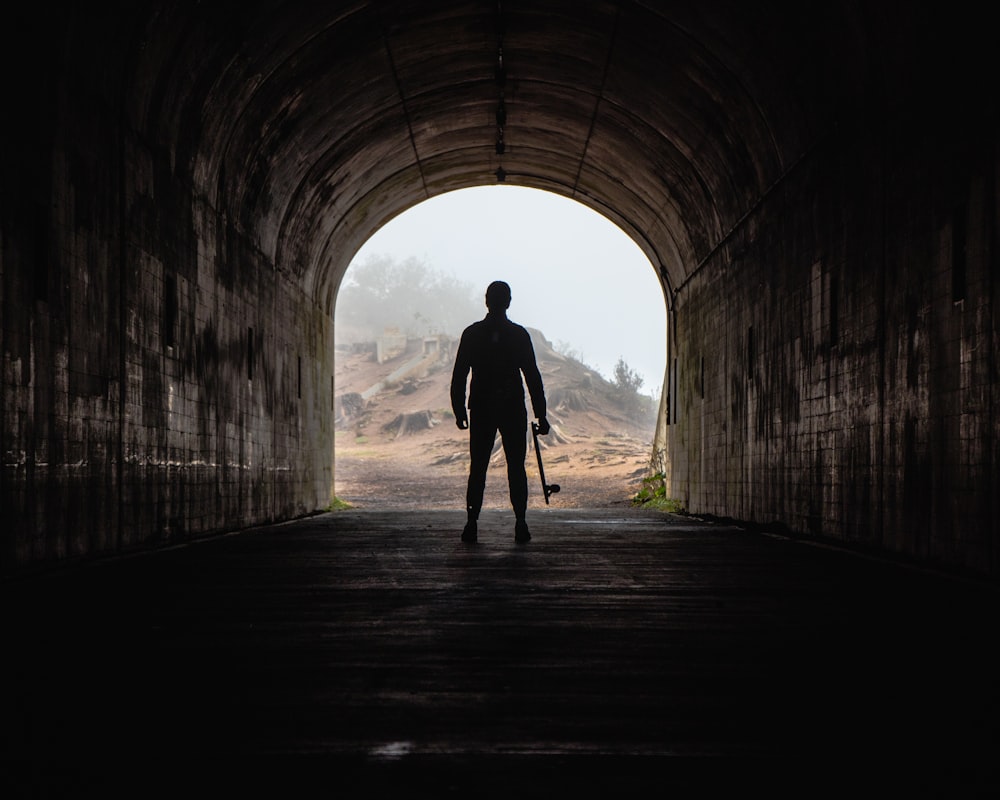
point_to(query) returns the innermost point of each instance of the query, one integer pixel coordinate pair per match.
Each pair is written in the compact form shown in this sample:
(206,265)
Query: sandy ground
(430,471)
(596,456)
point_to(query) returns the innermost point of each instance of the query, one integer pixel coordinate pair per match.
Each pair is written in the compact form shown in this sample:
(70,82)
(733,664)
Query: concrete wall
(836,358)
(136,410)
(833,358)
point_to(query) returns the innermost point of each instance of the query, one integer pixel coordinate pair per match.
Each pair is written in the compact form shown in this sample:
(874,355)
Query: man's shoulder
(473,329)
(522,334)
(483,327)
(519,329)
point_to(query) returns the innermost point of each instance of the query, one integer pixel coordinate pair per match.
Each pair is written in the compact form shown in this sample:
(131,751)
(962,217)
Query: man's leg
(514,430)
(482,435)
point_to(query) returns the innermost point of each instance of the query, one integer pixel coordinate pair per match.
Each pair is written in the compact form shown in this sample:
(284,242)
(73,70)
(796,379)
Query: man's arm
(459,375)
(533,379)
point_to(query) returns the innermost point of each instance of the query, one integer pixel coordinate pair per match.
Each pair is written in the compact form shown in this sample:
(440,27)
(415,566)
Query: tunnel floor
(619,652)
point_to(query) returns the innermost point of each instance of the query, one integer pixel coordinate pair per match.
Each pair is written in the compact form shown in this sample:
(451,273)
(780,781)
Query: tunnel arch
(307,164)
(816,186)
(394,427)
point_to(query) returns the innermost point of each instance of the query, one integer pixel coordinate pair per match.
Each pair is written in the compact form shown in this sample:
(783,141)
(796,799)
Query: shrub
(653,494)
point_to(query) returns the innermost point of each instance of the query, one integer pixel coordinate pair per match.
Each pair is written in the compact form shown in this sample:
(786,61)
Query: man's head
(498,296)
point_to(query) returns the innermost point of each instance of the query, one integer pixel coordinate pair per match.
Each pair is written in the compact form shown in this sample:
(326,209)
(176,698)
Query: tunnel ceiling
(310,125)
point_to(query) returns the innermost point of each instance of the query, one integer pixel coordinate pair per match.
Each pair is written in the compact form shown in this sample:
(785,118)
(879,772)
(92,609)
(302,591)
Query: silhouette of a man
(498,352)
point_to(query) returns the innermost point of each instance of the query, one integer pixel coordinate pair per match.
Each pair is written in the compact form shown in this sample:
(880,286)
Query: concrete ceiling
(310,125)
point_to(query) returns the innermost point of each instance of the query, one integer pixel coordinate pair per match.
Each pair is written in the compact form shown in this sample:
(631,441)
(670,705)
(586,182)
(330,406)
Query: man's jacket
(498,352)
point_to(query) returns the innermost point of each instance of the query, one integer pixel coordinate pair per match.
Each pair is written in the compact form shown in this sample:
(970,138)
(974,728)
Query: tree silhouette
(626,378)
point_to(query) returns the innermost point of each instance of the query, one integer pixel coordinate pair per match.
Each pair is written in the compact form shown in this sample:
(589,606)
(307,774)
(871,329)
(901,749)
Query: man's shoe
(521,533)
(469,534)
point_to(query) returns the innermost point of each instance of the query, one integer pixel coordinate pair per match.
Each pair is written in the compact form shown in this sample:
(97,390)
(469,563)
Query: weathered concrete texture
(371,654)
(184,186)
(850,393)
(184,393)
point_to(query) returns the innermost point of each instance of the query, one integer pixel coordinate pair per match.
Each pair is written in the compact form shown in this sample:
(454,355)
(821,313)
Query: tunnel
(185,185)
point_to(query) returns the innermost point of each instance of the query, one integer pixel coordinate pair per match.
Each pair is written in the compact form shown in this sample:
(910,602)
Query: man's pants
(483,427)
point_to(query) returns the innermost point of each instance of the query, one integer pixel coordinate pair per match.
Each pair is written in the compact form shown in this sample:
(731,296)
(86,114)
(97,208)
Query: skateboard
(547,488)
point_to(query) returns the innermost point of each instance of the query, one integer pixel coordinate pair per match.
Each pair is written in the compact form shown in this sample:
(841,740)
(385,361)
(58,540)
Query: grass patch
(667,504)
(336,504)
(653,494)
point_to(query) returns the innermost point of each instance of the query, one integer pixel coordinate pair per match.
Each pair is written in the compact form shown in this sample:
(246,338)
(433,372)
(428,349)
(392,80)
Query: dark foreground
(619,653)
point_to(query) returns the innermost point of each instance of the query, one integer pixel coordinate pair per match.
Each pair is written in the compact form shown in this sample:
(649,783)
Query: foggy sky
(556,254)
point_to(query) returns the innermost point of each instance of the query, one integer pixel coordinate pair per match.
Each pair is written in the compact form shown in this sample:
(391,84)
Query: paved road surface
(620,652)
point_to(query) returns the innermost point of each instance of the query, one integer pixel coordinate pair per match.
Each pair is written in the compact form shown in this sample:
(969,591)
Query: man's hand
(543,426)
(462,422)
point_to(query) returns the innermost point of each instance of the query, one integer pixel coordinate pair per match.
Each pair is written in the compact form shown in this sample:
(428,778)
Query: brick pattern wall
(162,381)
(836,359)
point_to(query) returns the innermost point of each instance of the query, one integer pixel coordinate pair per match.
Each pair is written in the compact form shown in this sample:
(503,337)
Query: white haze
(558,257)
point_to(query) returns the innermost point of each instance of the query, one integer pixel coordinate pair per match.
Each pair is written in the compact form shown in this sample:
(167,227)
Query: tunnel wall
(137,412)
(835,359)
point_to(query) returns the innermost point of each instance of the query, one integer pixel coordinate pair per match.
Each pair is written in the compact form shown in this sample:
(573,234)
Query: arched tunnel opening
(599,343)
(184,187)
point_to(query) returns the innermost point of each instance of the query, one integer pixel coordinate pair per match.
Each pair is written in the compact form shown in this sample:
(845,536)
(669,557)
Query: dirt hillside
(397,445)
